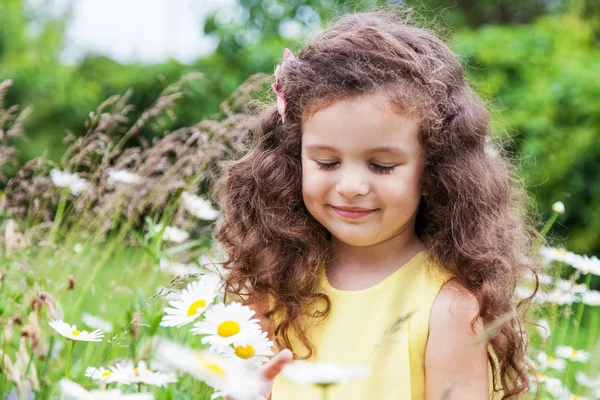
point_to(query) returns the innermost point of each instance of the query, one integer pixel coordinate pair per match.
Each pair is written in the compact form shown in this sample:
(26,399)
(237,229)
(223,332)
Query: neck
(381,256)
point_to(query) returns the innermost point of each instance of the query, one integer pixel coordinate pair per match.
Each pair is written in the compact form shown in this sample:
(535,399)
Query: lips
(352,212)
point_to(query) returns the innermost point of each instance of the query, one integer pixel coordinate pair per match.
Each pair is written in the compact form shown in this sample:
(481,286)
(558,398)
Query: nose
(351,182)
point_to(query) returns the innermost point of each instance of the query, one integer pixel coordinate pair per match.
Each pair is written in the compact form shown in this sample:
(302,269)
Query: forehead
(366,123)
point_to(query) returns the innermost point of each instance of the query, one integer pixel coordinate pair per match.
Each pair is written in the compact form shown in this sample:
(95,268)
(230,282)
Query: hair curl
(476,220)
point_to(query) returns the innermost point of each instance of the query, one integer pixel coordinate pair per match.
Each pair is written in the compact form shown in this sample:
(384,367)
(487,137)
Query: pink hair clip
(276,86)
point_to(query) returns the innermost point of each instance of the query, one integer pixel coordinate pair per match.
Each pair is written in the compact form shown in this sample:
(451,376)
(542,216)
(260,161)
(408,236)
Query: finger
(272,368)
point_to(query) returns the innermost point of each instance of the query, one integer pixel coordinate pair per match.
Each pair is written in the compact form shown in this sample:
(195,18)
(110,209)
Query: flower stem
(545,229)
(565,317)
(580,308)
(593,333)
(70,359)
(59,213)
(324,391)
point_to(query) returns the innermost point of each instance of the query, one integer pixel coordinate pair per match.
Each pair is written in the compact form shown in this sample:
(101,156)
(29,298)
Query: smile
(352,214)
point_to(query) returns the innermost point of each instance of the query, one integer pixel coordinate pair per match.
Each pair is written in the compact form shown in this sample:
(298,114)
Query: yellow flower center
(228,328)
(574,353)
(195,306)
(106,373)
(136,371)
(214,368)
(75,332)
(244,352)
(561,252)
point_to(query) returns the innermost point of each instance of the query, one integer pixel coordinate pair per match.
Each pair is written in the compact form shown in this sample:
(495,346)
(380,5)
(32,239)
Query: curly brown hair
(477,219)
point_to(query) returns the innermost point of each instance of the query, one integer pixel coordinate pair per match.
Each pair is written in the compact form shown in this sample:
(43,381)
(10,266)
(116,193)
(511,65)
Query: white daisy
(96,322)
(173,234)
(248,386)
(555,387)
(177,268)
(105,375)
(72,391)
(251,352)
(542,378)
(223,324)
(558,207)
(572,354)
(202,365)
(73,182)
(100,374)
(588,381)
(571,396)
(583,263)
(555,254)
(587,265)
(591,298)
(199,207)
(545,361)
(322,373)
(543,278)
(72,333)
(122,176)
(540,298)
(78,248)
(559,297)
(128,373)
(192,302)
(570,287)
(212,368)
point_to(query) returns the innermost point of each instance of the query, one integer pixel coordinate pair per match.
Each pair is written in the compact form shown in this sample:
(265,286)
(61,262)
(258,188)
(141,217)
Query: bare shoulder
(453,341)
(453,306)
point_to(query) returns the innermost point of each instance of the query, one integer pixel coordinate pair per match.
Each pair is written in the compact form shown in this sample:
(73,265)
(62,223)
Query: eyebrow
(379,149)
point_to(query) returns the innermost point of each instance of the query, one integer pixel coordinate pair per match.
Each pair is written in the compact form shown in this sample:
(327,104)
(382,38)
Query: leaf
(183,247)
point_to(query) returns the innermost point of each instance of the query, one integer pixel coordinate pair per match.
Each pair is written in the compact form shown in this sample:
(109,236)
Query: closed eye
(325,165)
(382,169)
(378,168)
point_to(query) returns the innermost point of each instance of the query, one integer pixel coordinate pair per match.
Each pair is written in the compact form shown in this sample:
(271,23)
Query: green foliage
(542,80)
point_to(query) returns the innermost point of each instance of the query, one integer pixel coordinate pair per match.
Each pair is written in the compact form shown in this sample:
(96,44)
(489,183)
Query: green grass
(117,278)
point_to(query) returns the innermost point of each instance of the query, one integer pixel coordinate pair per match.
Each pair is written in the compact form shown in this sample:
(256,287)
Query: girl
(373,221)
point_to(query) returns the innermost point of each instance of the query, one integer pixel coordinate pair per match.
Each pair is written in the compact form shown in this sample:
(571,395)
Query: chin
(355,240)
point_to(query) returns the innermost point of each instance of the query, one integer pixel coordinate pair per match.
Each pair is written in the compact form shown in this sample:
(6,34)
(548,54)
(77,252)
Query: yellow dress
(362,328)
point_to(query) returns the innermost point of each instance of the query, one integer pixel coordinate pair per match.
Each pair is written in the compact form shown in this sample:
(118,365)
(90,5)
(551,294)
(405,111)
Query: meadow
(120,228)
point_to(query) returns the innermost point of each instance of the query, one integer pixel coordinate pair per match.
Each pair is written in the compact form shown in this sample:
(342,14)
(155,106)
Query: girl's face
(359,153)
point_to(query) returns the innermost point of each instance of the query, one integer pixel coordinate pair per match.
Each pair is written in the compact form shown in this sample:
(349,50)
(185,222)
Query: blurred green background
(536,63)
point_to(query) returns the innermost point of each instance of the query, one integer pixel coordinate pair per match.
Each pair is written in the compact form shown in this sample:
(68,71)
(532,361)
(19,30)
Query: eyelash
(379,168)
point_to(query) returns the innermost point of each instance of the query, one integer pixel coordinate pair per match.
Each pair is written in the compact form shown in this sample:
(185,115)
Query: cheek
(314,187)
(398,192)
(391,196)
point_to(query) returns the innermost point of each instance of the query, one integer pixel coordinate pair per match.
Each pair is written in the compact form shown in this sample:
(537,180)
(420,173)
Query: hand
(271,369)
